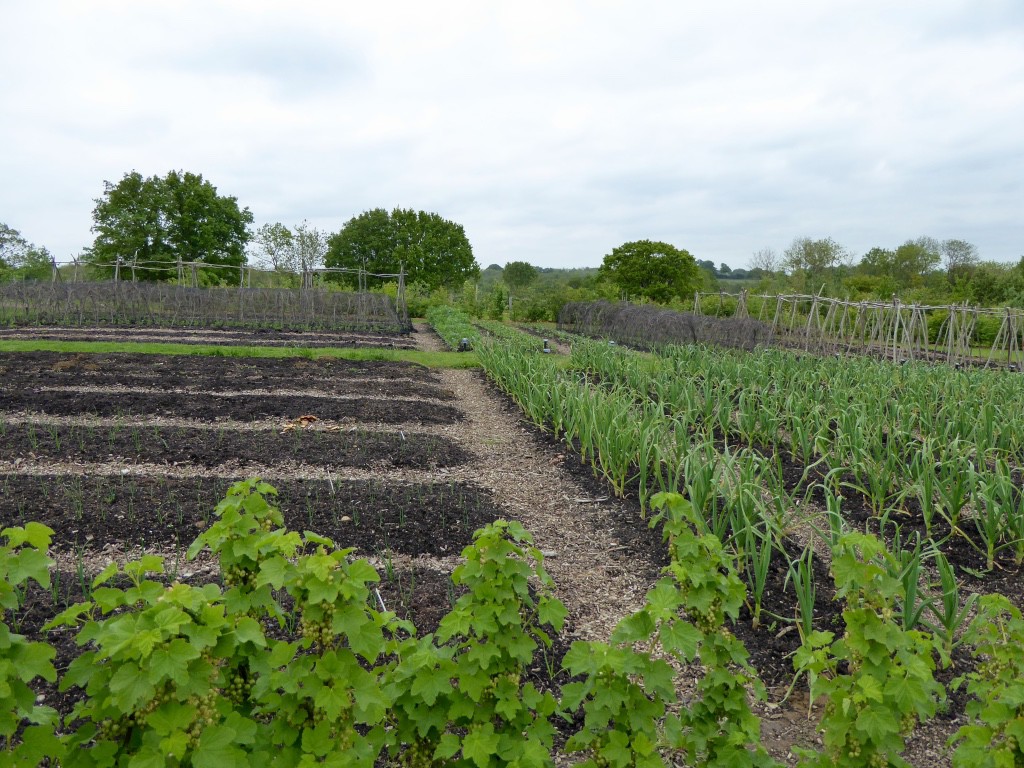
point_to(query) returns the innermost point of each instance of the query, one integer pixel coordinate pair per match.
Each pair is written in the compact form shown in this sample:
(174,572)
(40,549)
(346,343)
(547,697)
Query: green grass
(428,359)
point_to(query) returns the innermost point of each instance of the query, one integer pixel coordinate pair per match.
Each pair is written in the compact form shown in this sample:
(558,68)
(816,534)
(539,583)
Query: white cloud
(552,131)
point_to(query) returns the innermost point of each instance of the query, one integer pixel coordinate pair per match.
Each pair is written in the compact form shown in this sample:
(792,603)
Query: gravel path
(528,481)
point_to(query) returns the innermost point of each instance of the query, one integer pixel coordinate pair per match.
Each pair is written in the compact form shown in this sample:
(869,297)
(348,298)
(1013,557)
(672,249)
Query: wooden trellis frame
(889,329)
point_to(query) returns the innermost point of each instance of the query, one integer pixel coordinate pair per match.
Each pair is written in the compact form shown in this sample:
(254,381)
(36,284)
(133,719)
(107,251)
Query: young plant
(625,692)
(995,735)
(324,694)
(27,734)
(462,692)
(906,566)
(801,573)
(154,674)
(718,727)
(758,547)
(248,531)
(950,616)
(877,679)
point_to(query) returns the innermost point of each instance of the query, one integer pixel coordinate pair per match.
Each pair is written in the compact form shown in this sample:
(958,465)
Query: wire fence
(647,327)
(125,303)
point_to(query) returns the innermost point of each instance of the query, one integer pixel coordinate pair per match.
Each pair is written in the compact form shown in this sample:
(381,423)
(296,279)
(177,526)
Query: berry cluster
(319,631)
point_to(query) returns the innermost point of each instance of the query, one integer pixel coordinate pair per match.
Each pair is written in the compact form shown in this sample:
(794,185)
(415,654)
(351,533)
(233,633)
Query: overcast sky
(552,131)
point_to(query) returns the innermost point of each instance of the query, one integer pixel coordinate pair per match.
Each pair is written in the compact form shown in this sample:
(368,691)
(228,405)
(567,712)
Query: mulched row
(212,447)
(187,405)
(436,519)
(256,337)
(21,370)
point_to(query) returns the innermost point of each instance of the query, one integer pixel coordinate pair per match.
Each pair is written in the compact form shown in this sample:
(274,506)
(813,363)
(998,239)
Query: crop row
(945,445)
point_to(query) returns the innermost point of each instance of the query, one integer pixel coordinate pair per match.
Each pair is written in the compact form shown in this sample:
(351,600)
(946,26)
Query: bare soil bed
(435,519)
(214,446)
(256,337)
(213,373)
(246,406)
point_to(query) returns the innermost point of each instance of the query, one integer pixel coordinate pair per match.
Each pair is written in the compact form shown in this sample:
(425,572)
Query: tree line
(152,225)
(923,270)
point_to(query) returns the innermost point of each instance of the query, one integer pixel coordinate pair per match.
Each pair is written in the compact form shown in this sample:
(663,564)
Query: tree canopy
(432,250)
(519,274)
(903,267)
(652,270)
(20,259)
(278,248)
(179,216)
(809,261)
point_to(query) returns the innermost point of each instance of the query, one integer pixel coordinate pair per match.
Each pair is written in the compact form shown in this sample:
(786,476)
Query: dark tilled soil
(187,405)
(414,519)
(214,447)
(256,337)
(25,370)
(773,642)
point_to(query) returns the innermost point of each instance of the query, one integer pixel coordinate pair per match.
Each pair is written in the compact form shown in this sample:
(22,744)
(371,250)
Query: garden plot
(142,495)
(211,388)
(125,454)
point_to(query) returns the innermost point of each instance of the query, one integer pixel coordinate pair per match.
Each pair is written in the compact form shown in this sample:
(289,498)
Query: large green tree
(519,274)
(20,259)
(431,249)
(960,258)
(178,216)
(272,247)
(903,267)
(810,261)
(652,270)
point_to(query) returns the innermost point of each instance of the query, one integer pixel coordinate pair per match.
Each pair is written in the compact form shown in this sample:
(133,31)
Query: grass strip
(427,359)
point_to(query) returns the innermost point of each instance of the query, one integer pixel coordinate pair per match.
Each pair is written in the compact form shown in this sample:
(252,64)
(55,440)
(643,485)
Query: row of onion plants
(885,432)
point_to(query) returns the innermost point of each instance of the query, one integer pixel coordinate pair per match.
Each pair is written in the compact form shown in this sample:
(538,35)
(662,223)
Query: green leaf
(248,630)
(317,741)
(552,612)
(877,723)
(447,747)
(170,717)
(171,661)
(281,653)
(616,750)
(148,757)
(664,599)
(34,660)
(371,705)
(429,684)
(480,744)
(682,638)
(29,564)
(217,749)
(105,575)
(362,572)
(364,636)
(633,629)
(130,688)
(331,700)
(274,571)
